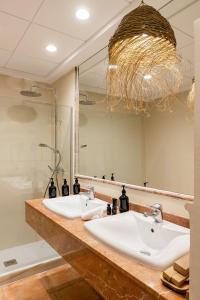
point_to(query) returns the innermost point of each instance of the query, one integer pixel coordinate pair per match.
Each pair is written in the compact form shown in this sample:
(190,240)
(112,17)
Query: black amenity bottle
(109,209)
(124,201)
(114,206)
(112,177)
(52,189)
(65,188)
(76,187)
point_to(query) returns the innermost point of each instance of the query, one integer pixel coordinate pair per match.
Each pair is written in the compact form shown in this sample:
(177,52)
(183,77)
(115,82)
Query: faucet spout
(157,213)
(89,193)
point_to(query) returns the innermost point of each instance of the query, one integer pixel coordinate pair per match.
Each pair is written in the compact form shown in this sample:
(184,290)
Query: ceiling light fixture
(51,48)
(143,44)
(82,14)
(112,67)
(147,77)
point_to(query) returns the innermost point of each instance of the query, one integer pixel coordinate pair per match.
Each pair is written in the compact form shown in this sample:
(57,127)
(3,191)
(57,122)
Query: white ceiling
(28,26)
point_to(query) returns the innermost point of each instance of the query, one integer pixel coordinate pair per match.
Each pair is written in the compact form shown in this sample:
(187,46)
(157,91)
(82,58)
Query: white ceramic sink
(156,244)
(73,206)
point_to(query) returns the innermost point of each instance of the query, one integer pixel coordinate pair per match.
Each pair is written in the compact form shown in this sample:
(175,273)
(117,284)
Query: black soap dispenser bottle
(114,206)
(76,187)
(109,209)
(52,189)
(65,188)
(124,201)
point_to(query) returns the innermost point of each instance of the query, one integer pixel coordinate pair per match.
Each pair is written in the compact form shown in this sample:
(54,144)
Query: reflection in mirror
(155,151)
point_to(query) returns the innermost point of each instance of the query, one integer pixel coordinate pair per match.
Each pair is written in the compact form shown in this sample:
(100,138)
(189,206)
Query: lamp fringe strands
(143,66)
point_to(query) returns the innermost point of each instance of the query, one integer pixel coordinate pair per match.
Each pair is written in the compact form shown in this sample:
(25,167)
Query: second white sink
(73,206)
(157,244)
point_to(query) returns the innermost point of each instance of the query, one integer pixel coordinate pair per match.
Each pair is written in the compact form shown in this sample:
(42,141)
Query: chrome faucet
(157,213)
(89,193)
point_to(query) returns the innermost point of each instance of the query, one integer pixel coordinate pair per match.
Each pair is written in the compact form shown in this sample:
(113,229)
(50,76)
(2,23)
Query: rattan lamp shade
(143,64)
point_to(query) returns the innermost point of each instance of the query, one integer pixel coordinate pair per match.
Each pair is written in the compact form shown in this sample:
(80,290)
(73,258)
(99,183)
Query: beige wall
(158,149)
(114,143)
(65,103)
(24,123)
(66,89)
(169,148)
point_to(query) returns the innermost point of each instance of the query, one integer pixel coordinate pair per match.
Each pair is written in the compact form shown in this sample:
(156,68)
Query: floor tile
(60,283)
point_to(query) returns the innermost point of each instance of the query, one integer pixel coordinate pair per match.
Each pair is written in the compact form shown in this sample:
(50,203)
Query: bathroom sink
(73,206)
(156,244)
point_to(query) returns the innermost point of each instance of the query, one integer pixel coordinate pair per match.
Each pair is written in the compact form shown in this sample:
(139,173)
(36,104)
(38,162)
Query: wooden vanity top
(148,279)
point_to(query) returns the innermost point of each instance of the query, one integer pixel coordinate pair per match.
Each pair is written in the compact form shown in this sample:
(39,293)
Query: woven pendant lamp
(143,64)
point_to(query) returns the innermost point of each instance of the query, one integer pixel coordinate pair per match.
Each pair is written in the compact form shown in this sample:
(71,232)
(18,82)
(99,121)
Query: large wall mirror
(156,150)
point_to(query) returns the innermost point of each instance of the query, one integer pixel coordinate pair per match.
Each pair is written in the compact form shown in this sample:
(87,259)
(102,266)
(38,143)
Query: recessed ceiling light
(147,76)
(82,14)
(113,67)
(51,48)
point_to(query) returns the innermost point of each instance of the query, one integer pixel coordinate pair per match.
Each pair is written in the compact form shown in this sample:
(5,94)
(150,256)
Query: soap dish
(180,290)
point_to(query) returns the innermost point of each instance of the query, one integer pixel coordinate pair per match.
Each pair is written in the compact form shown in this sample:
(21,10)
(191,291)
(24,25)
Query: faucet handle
(90,188)
(156,206)
(91,192)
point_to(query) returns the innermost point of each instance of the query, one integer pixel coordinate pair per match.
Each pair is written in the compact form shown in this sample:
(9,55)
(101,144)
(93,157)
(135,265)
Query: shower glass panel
(25,122)
(63,138)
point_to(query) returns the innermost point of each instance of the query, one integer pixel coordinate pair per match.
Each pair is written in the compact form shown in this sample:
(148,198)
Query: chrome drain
(10,262)
(145,252)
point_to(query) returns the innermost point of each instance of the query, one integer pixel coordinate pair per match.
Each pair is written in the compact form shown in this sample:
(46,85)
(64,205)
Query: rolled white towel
(95,213)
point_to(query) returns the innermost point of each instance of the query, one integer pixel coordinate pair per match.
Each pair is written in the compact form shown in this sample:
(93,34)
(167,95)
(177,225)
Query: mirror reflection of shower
(84,99)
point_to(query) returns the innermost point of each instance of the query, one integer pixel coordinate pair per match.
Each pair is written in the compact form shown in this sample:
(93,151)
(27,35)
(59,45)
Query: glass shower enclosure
(25,168)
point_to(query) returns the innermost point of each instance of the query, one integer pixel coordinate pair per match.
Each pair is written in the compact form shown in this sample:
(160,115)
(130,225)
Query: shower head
(83,146)
(43,145)
(49,147)
(33,92)
(88,102)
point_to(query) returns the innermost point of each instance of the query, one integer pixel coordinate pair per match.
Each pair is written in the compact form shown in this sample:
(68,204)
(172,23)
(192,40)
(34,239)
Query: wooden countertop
(130,267)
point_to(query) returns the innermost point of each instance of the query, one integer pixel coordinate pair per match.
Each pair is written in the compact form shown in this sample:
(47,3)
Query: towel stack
(176,277)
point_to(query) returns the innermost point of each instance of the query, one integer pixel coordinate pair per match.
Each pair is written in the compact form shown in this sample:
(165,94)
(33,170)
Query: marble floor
(59,283)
